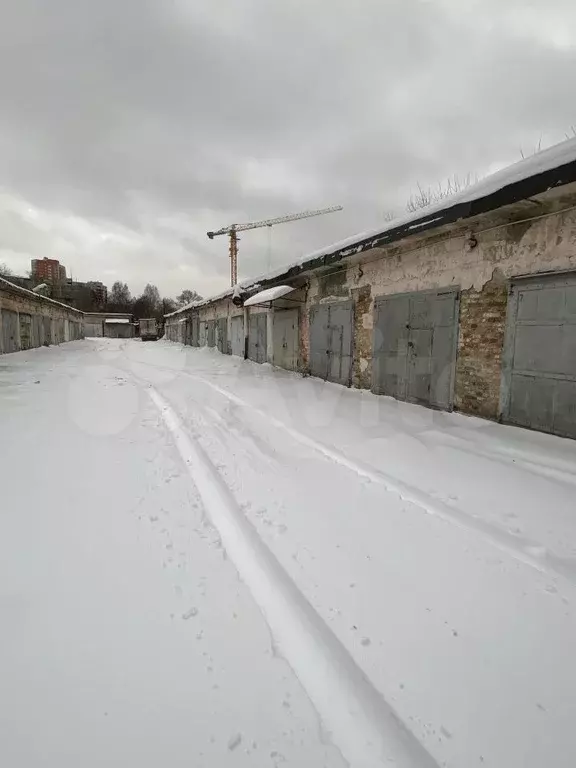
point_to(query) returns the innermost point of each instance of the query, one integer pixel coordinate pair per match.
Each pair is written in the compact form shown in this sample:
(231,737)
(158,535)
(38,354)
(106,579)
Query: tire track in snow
(362,724)
(524,550)
(521,461)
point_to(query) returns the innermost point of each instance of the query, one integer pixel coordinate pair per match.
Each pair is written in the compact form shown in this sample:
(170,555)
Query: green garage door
(539,365)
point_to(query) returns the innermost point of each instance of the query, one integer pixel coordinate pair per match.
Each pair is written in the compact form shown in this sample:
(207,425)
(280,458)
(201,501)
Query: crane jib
(234,228)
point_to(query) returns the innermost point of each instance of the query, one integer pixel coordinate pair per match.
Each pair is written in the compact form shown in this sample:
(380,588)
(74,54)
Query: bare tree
(152,294)
(537,148)
(188,296)
(168,305)
(5,270)
(150,304)
(425,197)
(120,299)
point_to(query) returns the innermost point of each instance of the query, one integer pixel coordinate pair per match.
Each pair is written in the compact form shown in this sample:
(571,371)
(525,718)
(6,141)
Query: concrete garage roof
(553,167)
(16,289)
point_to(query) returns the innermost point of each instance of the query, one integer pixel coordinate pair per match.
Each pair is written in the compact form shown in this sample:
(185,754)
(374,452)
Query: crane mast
(233,229)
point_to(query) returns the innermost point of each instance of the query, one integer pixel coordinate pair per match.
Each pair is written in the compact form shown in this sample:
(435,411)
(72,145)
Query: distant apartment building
(48,271)
(87,296)
(99,291)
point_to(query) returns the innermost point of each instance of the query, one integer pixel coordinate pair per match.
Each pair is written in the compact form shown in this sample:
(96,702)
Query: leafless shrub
(425,197)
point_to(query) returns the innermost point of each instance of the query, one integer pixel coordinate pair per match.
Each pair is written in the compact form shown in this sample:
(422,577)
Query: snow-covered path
(407,578)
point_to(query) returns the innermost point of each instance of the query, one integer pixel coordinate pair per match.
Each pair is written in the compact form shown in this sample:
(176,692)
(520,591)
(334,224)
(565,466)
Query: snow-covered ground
(205,562)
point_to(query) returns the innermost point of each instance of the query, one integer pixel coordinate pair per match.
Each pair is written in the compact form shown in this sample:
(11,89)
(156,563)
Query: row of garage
(415,347)
(467,305)
(21,331)
(261,337)
(28,320)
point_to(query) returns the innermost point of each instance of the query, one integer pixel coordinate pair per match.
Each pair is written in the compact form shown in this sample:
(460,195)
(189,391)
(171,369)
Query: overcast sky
(128,128)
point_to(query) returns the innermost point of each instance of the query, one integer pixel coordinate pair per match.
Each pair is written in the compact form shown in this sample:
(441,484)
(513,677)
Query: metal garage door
(37,331)
(93,329)
(237,336)
(202,334)
(285,333)
(25,331)
(331,342)
(414,353)
(58,331)
(257,338)
(194,331)
(222,335)
(539,364)
(211,333)
(9,331)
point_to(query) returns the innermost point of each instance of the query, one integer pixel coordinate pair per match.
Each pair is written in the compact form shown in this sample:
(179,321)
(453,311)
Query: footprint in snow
(535,550)
(234,741)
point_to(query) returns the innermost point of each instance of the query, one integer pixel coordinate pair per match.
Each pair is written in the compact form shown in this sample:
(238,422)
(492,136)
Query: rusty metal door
(539,362)
(414,346)
(9,331)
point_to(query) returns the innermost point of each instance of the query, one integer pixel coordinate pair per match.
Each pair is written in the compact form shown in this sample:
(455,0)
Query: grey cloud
(126,112)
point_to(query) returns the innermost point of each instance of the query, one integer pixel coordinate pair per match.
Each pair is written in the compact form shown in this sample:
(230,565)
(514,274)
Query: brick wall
(480,343)
(361,367)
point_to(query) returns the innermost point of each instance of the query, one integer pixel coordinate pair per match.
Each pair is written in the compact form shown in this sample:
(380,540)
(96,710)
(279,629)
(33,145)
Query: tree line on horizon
(149,303)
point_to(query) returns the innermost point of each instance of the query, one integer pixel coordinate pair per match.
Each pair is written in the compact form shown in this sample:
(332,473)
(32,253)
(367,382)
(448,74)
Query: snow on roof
(268,295)
(546,160)
(115,320)
(108,314)
(38,296)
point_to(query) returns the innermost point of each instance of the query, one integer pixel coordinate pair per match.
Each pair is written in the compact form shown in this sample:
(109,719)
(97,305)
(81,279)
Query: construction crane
(233,229)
